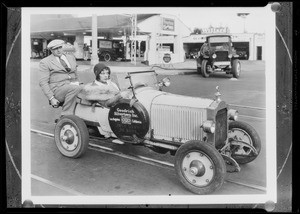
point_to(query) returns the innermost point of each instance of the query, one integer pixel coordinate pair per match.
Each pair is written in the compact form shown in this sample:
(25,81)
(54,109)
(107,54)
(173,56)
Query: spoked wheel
(245,142)
(71,136)
(200,167)
(204,68)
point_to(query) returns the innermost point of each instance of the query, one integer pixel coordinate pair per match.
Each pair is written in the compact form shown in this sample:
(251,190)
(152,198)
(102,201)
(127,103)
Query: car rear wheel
(200,167)
(107,57)
(236,68)
(204,68)
(244,133)
(71,136)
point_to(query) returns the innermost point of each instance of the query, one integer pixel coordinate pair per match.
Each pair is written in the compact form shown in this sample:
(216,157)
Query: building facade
(156,36)
(253,44)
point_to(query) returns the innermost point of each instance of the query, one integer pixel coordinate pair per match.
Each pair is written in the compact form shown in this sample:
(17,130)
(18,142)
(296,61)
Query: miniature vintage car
(217,54)
(203,134)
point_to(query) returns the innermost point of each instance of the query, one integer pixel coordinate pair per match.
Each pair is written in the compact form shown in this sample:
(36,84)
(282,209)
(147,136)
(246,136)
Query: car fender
(97,114)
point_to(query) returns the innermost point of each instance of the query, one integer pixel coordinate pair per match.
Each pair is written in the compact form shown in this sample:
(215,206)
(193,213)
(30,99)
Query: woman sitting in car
(102,89)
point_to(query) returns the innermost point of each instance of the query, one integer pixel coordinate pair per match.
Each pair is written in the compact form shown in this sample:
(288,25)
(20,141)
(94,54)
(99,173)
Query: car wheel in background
(236,68)
(204,68)
(107,57)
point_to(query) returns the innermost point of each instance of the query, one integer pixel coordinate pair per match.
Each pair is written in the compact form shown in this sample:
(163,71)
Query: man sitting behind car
(59,78)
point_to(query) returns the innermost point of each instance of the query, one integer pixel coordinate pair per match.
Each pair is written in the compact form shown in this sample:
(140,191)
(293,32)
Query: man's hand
(54,102)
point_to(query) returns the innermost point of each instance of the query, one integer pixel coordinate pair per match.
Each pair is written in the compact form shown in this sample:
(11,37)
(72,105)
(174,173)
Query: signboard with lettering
(165,39)
(168,24)
(212,30)
(105,44)
(127,121)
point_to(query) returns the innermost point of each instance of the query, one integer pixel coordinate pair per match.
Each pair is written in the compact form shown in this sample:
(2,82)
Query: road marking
(251,107)
(66,189)
(256,118)
(142,159)
(100,147)
(261,188)
(150,161)
(42,133)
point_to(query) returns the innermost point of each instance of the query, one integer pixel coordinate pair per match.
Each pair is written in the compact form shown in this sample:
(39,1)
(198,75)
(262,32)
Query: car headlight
(233,114)
(209,126)
(230,56)
(214,56)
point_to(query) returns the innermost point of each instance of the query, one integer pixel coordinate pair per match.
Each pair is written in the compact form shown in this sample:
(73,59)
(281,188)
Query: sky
(192,17)
(204,17)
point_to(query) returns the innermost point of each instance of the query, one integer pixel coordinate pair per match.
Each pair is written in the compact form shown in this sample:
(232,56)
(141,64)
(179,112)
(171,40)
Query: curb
(175,71)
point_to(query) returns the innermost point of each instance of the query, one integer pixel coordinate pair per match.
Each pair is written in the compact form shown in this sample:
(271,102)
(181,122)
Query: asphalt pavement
(45,165)
(183,68)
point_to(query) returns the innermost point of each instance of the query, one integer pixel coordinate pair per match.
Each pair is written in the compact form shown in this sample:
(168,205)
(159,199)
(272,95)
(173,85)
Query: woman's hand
(127,94)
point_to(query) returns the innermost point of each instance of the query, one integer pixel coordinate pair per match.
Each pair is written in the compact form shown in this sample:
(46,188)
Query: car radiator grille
(221,127)
(221,56)
(178,122)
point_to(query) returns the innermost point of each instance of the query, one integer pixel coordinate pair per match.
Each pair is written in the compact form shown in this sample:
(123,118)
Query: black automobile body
(218,55)
(110,50)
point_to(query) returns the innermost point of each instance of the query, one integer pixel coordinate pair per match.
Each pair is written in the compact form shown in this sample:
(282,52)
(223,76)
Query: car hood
(153,97)
(169,99)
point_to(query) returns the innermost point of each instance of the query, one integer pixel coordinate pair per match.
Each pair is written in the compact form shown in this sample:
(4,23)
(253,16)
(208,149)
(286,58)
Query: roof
(216,35)
(42,24)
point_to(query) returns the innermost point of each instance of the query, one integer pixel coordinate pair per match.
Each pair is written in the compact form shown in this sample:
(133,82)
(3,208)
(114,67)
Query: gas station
(250,43)
(140,37)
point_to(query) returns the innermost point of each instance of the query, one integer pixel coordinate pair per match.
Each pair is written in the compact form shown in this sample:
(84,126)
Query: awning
(42,26)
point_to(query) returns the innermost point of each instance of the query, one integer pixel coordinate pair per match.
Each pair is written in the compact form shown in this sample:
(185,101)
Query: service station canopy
(42,26)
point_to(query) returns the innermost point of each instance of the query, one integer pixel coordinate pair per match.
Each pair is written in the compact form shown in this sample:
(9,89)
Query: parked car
(217,54)
(193,53)
(109,50)
(242,54)
(203,134)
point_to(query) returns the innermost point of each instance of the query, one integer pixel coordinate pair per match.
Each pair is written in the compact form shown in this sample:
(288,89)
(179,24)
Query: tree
(197,31)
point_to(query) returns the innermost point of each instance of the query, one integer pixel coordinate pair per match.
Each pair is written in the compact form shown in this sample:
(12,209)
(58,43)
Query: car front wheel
(200,167)
(204,68)
(236,68)
(71,136)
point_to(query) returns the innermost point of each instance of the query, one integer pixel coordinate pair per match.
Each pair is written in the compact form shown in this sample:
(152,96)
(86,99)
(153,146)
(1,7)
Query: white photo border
(271,184)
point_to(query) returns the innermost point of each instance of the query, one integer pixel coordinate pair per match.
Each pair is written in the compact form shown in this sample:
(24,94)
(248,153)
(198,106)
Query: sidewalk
(187,67)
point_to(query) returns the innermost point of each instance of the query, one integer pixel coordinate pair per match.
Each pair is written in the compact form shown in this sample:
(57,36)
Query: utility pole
(133,38)
(243,16)
(95,58)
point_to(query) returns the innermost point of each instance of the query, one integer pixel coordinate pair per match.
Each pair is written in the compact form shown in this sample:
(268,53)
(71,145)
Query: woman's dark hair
(99,68)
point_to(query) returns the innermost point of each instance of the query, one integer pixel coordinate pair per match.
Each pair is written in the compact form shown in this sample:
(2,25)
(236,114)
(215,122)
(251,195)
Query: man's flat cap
(55,43)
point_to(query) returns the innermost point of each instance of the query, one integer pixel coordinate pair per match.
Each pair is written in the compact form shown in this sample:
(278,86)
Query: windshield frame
(134,78)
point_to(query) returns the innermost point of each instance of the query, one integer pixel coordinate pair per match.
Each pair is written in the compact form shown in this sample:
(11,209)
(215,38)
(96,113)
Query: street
(112,169)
